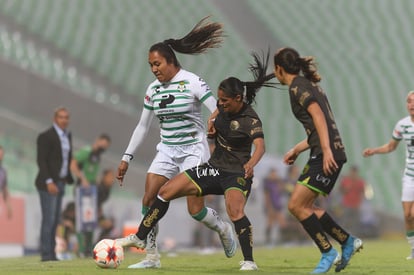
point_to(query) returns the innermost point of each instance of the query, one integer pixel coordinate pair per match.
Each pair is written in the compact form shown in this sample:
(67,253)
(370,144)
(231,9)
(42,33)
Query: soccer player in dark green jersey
(327,155)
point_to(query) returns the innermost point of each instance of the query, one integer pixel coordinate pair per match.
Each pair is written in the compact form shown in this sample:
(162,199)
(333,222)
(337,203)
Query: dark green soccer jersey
(302,93)
(235,135)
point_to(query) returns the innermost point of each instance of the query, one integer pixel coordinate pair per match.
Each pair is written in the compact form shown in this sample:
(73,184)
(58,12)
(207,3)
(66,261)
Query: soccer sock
(156,212)
(144,210)
(210,218)
(151,248)
(410,239)
(333,229)
(314,229)
(244,232)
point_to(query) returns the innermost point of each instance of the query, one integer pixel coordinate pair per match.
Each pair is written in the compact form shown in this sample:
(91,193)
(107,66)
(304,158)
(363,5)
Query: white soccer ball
(108,254)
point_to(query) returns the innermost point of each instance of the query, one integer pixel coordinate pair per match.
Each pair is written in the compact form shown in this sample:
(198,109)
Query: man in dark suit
(54,154)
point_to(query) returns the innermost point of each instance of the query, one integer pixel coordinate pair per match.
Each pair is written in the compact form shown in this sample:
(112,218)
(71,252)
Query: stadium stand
(113,37)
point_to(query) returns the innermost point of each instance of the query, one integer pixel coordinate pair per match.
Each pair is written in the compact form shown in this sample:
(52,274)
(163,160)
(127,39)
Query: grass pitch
(377,257)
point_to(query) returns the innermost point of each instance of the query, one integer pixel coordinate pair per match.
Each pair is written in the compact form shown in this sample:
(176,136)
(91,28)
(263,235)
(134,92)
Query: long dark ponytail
(233,86)
(290,60)
(205,35)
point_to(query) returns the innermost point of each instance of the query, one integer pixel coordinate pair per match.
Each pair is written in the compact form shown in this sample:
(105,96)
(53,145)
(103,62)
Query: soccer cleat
(327,260)
(148,262)
(349,248)
(131,241)
(248,265)
(228,241)
(409,257)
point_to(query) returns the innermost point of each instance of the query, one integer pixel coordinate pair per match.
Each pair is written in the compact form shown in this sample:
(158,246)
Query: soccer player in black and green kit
(229,171)
(310,106)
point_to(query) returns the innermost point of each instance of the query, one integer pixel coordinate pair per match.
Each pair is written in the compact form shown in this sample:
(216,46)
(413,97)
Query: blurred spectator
(85,166)
(106,224)
(352,188)
(274,187)
(3,185)
(65,244)
(54,153)
(291,178)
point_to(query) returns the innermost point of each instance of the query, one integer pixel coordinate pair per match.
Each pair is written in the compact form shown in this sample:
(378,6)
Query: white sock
(411,243)
(151,248)
(213,221)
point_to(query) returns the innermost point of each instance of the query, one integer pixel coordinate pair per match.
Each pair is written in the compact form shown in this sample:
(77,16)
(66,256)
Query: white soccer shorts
(171,160)
(407,193)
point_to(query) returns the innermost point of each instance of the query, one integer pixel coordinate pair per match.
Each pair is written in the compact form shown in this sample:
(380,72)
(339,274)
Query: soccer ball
(108,254)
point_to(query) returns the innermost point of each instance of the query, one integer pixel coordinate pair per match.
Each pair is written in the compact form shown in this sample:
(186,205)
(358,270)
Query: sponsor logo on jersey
(256,130)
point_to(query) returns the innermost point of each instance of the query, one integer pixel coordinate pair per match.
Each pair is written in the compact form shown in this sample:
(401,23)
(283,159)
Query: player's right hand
(368,152)
(122,169)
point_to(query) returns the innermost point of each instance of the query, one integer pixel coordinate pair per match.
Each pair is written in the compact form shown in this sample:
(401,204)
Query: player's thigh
(235,201)
(179,186)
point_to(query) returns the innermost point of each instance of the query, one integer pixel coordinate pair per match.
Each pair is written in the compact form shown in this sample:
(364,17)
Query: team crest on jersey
(181,86)
(234,125)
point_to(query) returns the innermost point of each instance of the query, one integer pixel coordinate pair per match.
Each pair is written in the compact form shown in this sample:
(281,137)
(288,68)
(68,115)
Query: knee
(293,208)
(409,216)
(165,193)
(148,199)
(235,213)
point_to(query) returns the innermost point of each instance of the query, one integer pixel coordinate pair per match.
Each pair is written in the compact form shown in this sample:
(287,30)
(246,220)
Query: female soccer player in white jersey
(229,171)
(403,130)
(176,98)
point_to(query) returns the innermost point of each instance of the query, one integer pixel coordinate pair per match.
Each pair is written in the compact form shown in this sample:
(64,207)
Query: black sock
(333,229)
(156,212)
(244,232)
(314,229)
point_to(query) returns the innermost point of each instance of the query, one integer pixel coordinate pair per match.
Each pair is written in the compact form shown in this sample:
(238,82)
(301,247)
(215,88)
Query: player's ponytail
(233,86)
(205,35)
(290,60)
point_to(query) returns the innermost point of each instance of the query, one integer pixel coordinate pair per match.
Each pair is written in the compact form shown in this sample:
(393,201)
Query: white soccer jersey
(404,130)
(177,104)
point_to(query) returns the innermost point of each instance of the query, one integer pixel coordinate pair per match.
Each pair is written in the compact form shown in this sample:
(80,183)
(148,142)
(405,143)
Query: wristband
(130,156)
